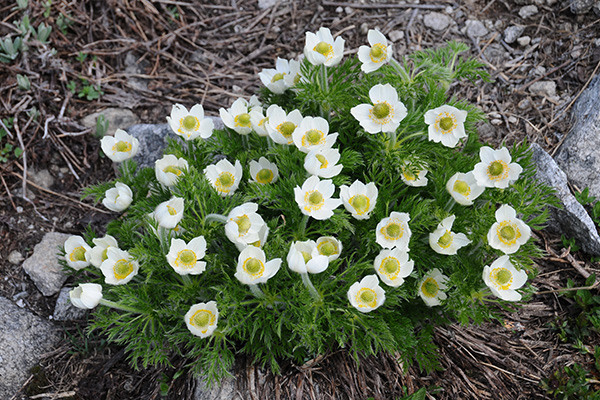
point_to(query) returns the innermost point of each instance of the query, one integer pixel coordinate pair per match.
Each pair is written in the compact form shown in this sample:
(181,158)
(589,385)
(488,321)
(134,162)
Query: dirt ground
(147,55)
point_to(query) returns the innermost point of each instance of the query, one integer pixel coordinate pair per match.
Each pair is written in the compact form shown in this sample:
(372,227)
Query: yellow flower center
(314,137)
(462,187)
(173,170)
(105,254)
(408,175)
(286,128)
(277,77)
(327,248)
(430,287)
(171,210)
(366,297)
(392,231)
(314,200)
(378,52)
(265,175)
(224,181)
(446,123)
(190,123)
(323,48)
(306,255)
(381,110)
(361,203)
(254,267)
(496,168)
(202,319)
(445,240)
(78,254)
(122,269)
(242,120)
(390,267)
(502,277)
(322,160)
(187,258)
(122,146)
(243,224)
(508,233)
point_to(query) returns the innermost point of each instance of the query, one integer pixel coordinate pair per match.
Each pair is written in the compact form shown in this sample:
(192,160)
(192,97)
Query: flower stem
(449,204)
(400,69)
(186,280)
(412,135)
(245,142)
(325,88)
(259,294)
(308,284)
(118,306)
(215,218)
(392,142)
(303,224)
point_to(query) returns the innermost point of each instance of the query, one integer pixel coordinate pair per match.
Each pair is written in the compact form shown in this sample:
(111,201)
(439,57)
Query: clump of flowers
(237,240)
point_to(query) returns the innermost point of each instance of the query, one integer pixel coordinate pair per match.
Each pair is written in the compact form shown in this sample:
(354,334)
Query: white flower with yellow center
(120,147)
(258,120)
(77,252)
(320,48)
(169,168)
(313,133)
(359,199)
(162,232)
(98,253)
(294,75)
(393,266)
(263,234)
(117,199)
(118,268)
(413,176)
(431,287)
(508,232)
(496,168)
(444,241)
(376,54)
(304,257)
(263,171)
(394,231)
(503,279)
(323,162)
(366,295)
(224,176)
(314,198)
(446,125)
(169,213)
(330,247)
(281,126)
(86,295)
(386,112)
(464,188)
(237,117)
(185,257)
(274,79)
(190,125)
(244,224)
(202,318)
(252,267)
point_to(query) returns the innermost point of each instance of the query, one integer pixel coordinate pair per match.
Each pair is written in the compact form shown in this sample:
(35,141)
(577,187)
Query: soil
(146,56)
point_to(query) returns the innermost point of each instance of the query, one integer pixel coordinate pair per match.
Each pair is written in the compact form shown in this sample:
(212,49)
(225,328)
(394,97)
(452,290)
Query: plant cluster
(351,206)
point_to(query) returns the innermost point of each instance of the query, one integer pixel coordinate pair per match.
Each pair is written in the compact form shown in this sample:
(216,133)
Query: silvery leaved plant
(349,205)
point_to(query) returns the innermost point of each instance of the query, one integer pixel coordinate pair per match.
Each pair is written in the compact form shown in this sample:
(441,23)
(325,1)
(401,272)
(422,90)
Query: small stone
(528,11)
(576,52)
(512,119)
(597,42)
(399,35)
(15,257)
(581,6)
(596,8)
(437,21)
(475,28)
(543,88)
(339,10)
(512,33)
(64,310)
(262,4)
(524,104)
(494,114)
(364,28)
(41,178)
(551,2)
(19,209)
(43,266)
(496,122)
(524,41)
(118,118)
(348,10)
(236,89)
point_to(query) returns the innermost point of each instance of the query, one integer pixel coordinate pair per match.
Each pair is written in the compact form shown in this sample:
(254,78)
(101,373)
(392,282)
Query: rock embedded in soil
(43,266)
(118,118)
(512,33)
(224,390)
(528,11)
(15,257)
(475,28)
(64,310)
(437,21)
(543,88)
(581,6)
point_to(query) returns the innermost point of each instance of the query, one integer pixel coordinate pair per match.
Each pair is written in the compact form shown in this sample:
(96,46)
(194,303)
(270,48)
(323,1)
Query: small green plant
(592,202)
(89,91)
(102,124)
(571,382)
(569,243)
(47,8)
(43,32)
(81,56)
(22,4)
(8,149)
(23,82)
(64,22)
(10,49)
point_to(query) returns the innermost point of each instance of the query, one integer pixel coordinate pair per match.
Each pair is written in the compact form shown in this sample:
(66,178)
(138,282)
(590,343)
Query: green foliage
(571,382)
(23,82)
(10,49)
(101,126)
(86,89)
(586,200)
(7,149)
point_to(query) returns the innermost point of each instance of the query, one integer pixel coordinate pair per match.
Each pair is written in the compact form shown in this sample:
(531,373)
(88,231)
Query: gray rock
(579,156)
(43,267)
(512,33)
(572,220)
(437,21)
(475,28)
(596,9)
(134,67)
(224,390)
(263,4)
(528,11)
(581,6)
(524,41)
(24,338)
(41,178)
(64,310)
(15,257)
(118,118)
(396,35)
(543,88)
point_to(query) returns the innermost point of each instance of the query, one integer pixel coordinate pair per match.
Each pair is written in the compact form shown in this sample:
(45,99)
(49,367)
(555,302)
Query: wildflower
(394,231)
(412,176)
(117,199)
(366,295)
(313,133)
(359,199)
(118,268)
(252,267)
(293,77)
(322,162)
(281,126)
(377,54)
(86,295)
(263,171)
(320,48)
(508,233)
(444,241)
(386,112)
(97,254)
(190,125)
(464,188)
(76,252)
(263,233)
(258,121)
(237,117)
(161,231)
(329,247)
(314,198)
(224,177)
(431,286)
(169,213)
(274,79)
(446,125)
(393,266)
(244,224)
(169,168)
(185,257)
(503,279)
(495,168)
(120,147)
(202,318)
(304,257)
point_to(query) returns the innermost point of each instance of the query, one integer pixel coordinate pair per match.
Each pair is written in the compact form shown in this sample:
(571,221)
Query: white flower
(76,252)
(322,162)
(169,213)
(252,267)
(98,253)
(393,266)
(163,232)
(118,268)
(237,117)
(281,126)
(294,75)
(444,241)
(263,233)
(508,233)
(464,188)
(169,168)
(386,112)
(185,257)
(446,125)
(258,121)
(224,177)
(120,147)
(320,48)
(312,134)
(274,79)
(314,198)
(329,247)
(244,224)
(359,199)
(394,231)
(431,286)
(304,257)
(412,176)
(192,124)
(503,278)
(117,199)
(263,171)
(254,103)
(86,295)
(202,319)
(495,168)
(366,295)
(377,54)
